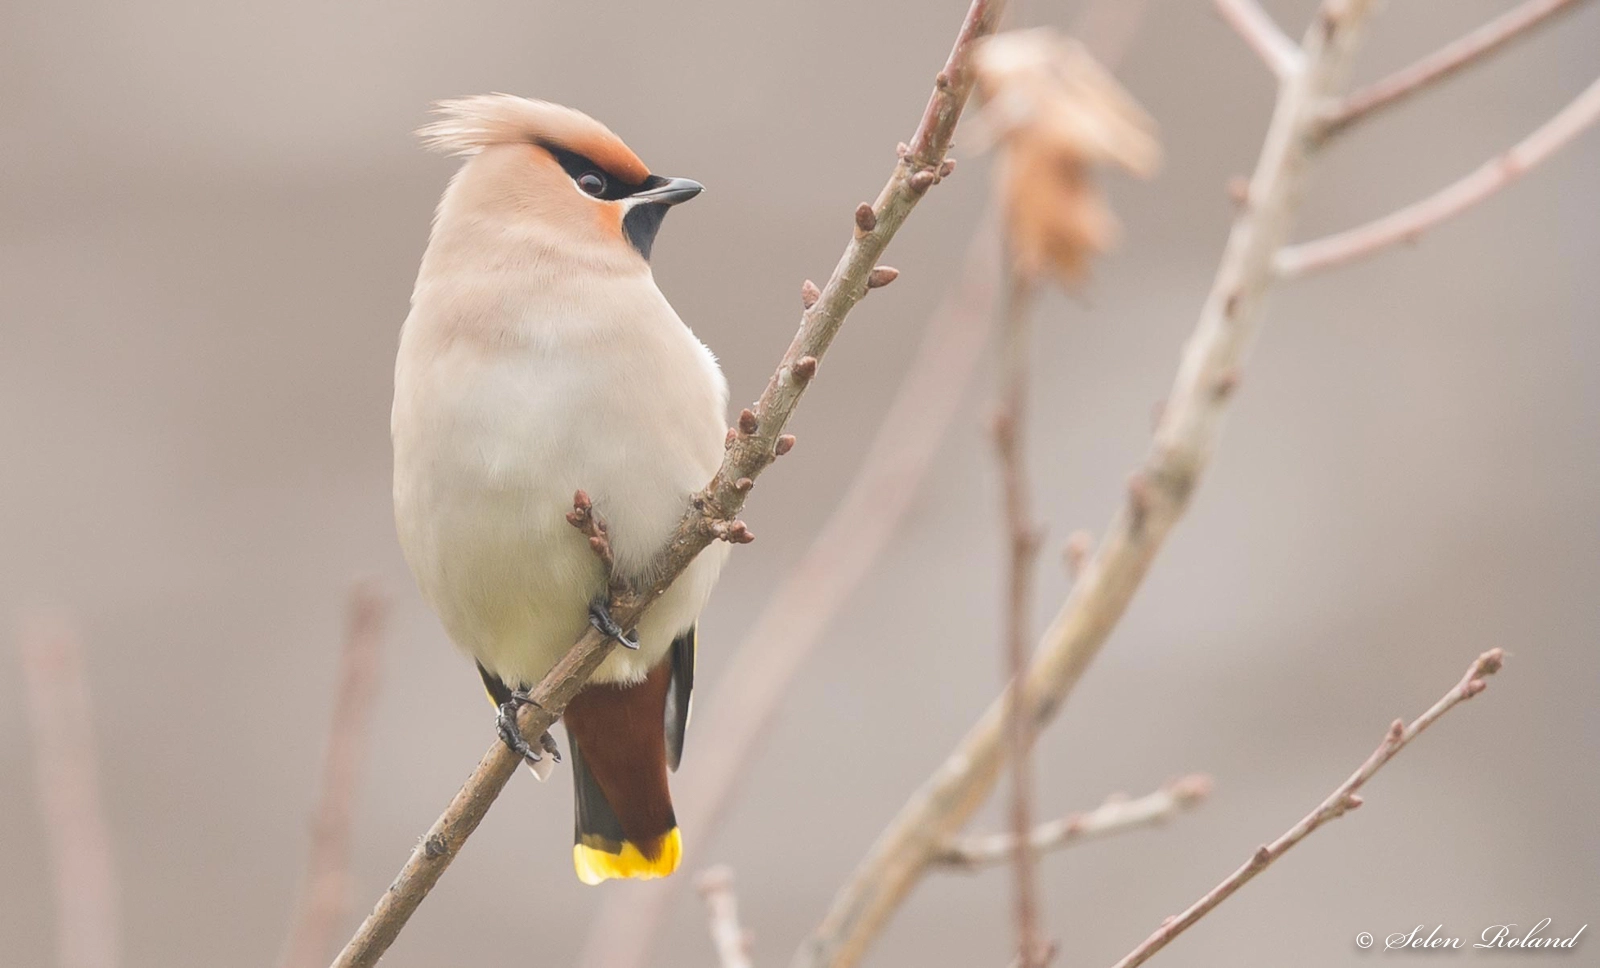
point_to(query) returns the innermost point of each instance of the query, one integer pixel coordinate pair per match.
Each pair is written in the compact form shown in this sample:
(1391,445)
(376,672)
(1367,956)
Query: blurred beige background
(210,217)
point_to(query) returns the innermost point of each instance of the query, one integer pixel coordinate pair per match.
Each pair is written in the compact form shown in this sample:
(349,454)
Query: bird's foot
(600,618)
(511,735)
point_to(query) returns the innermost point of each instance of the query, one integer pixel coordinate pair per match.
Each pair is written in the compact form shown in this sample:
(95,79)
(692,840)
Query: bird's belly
(487,459)
(507,587)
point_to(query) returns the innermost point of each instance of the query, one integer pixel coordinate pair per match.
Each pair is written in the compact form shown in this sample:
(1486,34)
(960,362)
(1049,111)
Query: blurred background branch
(61,720)
(1022,536)
(1407,224)
(1116,815)
(1157,495)
(728,936)
(325,888)
(1445,62)
(1256,28)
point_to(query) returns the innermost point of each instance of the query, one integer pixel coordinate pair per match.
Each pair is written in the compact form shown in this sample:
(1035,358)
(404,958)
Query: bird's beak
(670,192)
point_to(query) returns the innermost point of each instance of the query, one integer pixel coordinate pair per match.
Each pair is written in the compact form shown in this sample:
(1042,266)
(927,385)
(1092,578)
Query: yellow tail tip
(596,862)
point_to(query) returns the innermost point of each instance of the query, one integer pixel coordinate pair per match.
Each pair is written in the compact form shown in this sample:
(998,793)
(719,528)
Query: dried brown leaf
(1056,116)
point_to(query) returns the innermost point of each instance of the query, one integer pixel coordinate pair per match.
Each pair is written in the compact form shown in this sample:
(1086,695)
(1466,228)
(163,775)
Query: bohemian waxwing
(539,358)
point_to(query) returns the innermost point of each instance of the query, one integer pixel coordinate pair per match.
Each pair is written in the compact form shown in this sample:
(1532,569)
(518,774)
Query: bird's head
(551,175)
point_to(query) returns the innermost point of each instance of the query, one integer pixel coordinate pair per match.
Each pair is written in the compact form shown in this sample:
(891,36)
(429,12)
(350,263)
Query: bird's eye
(592,183)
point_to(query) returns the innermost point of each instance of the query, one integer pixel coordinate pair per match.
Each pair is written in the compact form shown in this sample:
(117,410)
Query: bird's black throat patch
(642,223)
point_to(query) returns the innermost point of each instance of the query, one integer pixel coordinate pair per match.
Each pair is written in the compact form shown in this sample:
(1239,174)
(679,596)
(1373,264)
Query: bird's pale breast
(492,437)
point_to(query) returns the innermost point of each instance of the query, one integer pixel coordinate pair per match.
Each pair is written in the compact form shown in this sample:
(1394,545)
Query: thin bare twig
(713,513)
(1281,55)
(79,839)
(1115,816)
(1482,42)
(1342,799)
(728,936)
(1407,224)
(325,891)
(1157,496)
(1022,537)
(732,719)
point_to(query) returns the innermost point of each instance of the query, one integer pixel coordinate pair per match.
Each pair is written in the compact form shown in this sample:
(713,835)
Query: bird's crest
(467,125)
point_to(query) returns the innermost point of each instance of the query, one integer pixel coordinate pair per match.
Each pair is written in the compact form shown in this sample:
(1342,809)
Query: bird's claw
(600,618)
(511,734)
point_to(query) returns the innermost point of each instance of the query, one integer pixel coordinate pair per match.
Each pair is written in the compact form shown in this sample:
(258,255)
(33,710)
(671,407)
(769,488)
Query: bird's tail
(602,849)
(625,826)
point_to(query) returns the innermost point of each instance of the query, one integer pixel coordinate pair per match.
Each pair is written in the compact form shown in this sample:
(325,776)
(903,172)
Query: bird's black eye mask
(642,222)
(583,172)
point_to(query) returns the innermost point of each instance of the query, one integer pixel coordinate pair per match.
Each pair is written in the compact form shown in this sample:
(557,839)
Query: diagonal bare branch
(1338,803)
(1407,224)
(1483,42)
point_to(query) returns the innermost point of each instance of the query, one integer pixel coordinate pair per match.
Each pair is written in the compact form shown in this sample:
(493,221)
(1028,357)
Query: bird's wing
(679,698)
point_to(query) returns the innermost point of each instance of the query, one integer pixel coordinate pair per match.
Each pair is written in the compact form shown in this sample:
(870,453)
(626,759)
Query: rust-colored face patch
(608,218)
(558,202)
(607,151)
